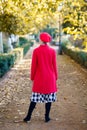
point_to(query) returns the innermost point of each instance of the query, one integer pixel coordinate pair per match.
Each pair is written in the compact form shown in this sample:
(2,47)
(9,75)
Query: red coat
(44,70)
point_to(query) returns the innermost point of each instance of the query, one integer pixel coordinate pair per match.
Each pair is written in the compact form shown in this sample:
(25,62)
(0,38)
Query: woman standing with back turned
(44,76)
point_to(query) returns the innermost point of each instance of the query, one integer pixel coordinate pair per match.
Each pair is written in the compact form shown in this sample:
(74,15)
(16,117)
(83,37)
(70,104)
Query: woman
(44,76)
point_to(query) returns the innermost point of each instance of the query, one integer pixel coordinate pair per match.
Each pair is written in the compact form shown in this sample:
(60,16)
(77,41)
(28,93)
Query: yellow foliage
(75,18)
(19,16)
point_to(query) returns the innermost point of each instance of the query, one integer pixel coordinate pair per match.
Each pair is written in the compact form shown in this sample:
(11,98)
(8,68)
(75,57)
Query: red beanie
(45,37)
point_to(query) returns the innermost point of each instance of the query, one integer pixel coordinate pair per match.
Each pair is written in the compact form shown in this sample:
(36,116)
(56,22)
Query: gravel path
(68,113)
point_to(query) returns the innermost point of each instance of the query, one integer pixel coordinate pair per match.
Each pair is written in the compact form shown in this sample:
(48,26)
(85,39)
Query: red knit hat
(45,37)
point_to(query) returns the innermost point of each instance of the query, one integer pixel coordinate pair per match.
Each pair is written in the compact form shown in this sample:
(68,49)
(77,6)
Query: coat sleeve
(55,65)
(33,65)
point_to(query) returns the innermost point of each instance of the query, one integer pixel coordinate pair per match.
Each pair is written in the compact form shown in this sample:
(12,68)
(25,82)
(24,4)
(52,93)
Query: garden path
(68,113)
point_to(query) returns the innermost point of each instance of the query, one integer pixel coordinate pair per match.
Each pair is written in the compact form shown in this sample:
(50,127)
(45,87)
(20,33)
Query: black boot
(47,109)
(31,108)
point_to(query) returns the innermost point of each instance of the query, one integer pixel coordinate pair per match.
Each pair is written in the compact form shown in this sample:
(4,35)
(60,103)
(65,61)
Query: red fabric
(45,37)
(44,70)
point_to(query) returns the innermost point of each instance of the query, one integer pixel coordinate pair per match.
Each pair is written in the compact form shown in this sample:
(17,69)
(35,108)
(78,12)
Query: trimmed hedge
(22,41)
(7,60)
(78,55)
(26,48)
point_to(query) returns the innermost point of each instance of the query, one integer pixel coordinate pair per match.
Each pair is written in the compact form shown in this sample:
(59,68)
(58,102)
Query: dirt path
(68,113)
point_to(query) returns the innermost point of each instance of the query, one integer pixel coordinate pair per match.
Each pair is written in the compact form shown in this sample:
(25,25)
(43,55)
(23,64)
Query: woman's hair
(45,42)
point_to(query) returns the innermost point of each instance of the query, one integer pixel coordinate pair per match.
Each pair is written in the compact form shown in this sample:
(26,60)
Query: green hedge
(78,55)
(5,63)
(7,60)
(26,48)
(22,41)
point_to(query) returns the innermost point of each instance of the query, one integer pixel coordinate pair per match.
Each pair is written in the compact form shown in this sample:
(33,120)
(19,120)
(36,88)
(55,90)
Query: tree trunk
(1,43)
(10,47)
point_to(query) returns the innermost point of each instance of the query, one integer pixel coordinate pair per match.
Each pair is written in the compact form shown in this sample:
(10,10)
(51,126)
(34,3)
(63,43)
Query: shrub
(5,47)
(18,54)
(31,43)
(26,48)
(22,41)
(9,59)
(6,62)
(3,65)
(75,53)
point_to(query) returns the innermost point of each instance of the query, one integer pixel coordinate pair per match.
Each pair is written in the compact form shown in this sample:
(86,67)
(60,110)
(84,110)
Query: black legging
(47,108)
(32,106)
(30,110)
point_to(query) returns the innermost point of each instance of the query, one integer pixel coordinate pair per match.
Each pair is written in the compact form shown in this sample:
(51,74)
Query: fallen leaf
(84,121)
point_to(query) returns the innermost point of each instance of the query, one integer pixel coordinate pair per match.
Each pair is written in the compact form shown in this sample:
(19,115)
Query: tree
(1,44)
(21,17)
(75,17)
